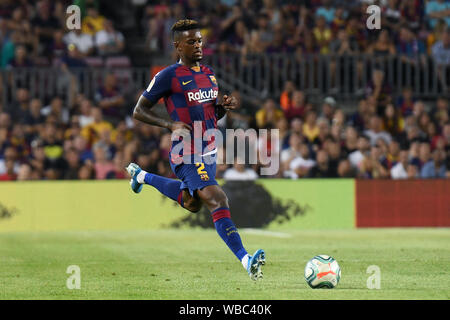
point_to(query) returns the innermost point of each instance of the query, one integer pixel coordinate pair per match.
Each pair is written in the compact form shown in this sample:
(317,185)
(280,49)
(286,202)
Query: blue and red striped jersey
(190,96)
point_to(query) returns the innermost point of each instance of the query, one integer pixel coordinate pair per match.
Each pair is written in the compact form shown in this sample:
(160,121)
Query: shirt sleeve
(159,87)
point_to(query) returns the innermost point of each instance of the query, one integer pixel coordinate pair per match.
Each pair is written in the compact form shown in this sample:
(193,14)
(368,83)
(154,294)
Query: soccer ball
(322,272)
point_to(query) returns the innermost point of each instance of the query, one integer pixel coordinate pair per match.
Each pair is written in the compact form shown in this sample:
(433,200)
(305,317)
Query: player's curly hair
(184,25)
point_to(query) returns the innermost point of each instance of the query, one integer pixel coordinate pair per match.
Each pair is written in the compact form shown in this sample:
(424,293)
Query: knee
(225,202)
(221,201)
(193,205)
(214,198)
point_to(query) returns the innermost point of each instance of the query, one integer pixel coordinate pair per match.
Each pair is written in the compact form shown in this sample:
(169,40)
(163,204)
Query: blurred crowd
(387,136)
(35,34)
(413,27)
(404,139)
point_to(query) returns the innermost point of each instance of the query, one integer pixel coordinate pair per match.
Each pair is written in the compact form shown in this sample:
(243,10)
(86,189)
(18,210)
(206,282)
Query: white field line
(266,233)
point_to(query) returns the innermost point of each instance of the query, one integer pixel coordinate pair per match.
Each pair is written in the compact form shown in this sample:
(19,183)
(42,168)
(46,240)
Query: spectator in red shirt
(286,95)
(339,22)
(297,107)
(9,175)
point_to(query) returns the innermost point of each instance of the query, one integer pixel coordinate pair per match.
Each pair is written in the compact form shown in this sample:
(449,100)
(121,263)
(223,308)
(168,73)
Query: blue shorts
(197,175)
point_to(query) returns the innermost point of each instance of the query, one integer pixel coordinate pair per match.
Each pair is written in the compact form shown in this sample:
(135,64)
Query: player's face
(190,46)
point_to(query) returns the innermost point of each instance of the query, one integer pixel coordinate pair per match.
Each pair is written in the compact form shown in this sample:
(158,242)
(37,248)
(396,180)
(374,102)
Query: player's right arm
(142,112)
(158,88)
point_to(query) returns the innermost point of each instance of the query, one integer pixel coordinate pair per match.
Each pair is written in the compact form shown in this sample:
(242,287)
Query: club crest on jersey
(202,95)
(213,79)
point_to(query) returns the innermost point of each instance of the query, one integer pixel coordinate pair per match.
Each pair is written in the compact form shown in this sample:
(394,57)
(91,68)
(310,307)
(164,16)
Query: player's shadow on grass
(251,206)
(6,213)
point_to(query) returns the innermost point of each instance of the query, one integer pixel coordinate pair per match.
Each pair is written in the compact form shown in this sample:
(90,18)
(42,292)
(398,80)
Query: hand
(229,102)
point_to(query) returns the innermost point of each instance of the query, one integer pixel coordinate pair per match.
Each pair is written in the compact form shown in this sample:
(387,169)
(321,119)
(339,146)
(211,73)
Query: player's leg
(171,188)
(216,201)
(191,203)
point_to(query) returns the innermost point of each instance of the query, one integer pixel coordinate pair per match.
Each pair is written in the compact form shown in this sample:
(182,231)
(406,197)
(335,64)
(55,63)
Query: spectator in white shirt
(240,172)
(57,109)
(375,131)
(356,157)
(400,170)
(300,166)
(86,117)
(287,155)
(82,41)
(109,41)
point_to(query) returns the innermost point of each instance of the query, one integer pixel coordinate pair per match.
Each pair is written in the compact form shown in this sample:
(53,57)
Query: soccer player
(190,94)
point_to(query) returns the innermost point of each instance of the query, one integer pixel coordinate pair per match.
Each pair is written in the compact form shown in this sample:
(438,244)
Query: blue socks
(228,232)
(221,216)
(168,187)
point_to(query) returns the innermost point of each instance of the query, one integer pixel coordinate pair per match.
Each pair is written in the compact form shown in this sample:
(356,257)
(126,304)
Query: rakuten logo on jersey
(202,95)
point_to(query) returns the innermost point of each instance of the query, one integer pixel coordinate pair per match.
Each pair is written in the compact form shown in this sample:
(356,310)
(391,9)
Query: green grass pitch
(196,264)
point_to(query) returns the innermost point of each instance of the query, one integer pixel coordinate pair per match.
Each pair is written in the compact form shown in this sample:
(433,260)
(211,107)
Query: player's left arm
(228,103)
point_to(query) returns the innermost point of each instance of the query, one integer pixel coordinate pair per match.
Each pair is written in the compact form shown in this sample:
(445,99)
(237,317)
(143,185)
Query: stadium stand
(348,101)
